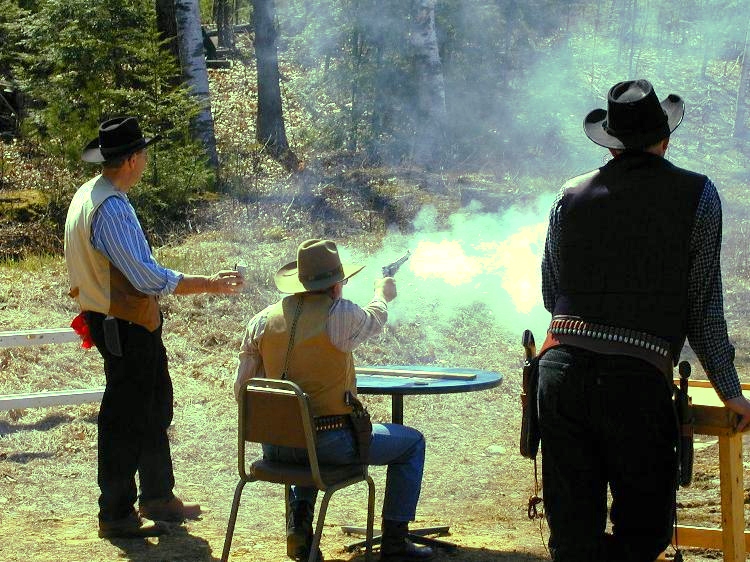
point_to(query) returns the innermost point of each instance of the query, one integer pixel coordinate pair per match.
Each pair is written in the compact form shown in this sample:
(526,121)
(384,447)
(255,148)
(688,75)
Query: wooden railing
(25,338)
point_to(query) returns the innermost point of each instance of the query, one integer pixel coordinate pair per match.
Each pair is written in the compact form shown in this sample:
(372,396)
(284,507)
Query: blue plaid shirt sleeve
(117,233)
(707,328)
(550,261)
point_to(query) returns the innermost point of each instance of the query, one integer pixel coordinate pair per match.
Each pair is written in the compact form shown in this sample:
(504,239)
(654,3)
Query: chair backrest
(276,412)
(274,416)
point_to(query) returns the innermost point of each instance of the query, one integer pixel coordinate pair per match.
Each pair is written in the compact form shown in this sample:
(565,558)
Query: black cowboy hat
(318,267)
(634,117)
(117,138)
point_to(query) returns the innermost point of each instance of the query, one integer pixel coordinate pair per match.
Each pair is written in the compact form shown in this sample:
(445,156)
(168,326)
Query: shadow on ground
(462,554)
(176,546)
(48,422)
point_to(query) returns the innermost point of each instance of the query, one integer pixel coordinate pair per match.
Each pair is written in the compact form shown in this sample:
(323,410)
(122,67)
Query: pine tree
(83,62)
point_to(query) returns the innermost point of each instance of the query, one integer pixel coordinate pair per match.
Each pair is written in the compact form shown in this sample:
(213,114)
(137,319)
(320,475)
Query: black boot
(299,533)
(396,547)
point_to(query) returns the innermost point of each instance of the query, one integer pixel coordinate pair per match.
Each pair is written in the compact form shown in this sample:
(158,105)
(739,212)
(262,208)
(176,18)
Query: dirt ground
(475,482)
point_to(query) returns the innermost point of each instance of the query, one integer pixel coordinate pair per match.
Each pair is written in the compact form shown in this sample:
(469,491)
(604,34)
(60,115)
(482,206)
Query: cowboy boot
(396,547)
(299,533)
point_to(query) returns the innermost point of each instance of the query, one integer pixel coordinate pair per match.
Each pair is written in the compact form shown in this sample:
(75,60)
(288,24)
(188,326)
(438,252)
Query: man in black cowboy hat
(630,269)
(117,283)
(326,329)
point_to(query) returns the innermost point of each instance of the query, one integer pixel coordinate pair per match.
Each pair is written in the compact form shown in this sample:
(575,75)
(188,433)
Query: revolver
(391,269)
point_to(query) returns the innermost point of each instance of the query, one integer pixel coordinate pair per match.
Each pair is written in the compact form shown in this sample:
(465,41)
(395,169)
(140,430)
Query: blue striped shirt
(706,326)
(117,233)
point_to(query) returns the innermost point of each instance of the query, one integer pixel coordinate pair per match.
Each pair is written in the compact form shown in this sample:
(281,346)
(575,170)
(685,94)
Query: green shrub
(82,62)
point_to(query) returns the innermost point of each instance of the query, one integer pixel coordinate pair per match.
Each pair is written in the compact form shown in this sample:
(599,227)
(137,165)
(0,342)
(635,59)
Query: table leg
(732,497)
(418,535)
(397,408)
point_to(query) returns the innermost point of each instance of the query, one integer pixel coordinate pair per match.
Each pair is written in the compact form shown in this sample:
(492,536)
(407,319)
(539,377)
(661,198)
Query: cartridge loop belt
(330,423)
(600,338)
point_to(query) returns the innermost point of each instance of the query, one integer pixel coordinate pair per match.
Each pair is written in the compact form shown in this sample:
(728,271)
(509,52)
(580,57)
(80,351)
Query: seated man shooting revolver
(326,328)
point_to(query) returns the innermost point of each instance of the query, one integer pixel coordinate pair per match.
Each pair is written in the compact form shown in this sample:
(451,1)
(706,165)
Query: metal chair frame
(296,429)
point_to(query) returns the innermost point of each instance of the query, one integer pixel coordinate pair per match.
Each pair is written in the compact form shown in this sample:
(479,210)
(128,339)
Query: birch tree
(193,63)
(431,111)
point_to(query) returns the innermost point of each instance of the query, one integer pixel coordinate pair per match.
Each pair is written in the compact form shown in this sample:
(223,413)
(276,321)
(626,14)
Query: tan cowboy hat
(318,267)
(634,118)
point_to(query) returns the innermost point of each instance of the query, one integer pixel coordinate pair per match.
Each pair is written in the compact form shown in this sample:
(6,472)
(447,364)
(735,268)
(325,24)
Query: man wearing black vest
(631,269)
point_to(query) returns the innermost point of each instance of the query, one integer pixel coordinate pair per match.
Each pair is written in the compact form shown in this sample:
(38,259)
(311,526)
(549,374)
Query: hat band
(114,150)
(339,271)
(639,138)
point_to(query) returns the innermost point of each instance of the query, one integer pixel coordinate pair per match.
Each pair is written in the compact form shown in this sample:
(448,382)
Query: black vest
(624,245)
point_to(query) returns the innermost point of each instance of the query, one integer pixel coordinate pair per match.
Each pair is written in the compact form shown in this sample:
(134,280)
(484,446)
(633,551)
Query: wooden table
(713,418)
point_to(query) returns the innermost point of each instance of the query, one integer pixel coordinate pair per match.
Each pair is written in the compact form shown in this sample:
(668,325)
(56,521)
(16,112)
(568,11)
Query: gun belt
(331,423)
(610,340)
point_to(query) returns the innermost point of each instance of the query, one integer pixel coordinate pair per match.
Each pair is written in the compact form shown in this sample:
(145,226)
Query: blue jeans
(606,420)
(399,447)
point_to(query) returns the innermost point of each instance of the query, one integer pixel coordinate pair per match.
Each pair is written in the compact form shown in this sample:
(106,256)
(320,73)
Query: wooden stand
(713,418)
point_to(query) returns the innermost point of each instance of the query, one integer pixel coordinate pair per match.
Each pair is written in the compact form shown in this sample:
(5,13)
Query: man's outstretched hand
(225,282)
(740,406)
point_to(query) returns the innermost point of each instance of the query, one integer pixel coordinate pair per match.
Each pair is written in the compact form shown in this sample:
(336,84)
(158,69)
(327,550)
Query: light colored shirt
(706,326)
(117,233)
(348,326)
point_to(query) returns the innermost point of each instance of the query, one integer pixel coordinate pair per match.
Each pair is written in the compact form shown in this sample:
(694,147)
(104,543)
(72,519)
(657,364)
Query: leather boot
(299,533)
(396,547)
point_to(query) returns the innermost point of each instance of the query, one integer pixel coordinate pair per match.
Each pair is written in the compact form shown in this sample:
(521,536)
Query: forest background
(441,127)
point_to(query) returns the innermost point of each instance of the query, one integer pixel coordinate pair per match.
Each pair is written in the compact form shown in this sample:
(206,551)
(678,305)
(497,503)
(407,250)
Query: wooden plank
(218,63)
(698,537)
(711,416)
(55,398)
(24,338)
(414,373)
(707,384)
(732,498)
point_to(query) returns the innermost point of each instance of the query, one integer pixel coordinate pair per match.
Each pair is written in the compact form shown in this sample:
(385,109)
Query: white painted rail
(25,338)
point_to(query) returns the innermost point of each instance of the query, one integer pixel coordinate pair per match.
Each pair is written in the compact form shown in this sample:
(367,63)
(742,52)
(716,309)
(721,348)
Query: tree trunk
(270,130)
(743,93)
(431,112)
(194,72)
(223,18)
(166,23)
(356,62)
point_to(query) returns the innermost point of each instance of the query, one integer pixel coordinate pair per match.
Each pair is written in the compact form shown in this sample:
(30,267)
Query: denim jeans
(606,420)
(399,447)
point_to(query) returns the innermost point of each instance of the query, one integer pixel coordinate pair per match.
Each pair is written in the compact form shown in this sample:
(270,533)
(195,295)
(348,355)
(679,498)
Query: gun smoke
(487,259)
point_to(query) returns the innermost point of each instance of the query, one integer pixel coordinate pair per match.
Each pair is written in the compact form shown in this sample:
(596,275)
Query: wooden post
(732,498)
(713,418)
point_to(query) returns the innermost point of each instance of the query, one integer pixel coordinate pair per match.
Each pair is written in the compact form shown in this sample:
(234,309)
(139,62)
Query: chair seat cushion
(300,474)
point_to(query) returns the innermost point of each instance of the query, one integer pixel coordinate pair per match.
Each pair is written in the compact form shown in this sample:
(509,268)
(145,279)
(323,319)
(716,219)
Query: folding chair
(277,412)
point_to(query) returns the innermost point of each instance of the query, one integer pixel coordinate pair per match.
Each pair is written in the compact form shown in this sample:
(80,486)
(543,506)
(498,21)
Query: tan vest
(97,284)
(322,371)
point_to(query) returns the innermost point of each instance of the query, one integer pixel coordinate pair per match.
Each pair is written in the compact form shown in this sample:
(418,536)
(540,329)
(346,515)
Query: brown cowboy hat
(634,117)
(318,267)
(118,137)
